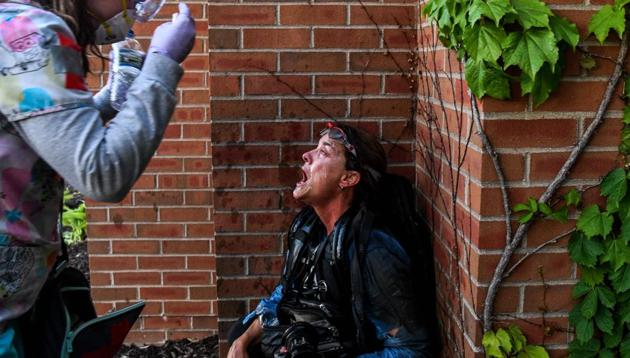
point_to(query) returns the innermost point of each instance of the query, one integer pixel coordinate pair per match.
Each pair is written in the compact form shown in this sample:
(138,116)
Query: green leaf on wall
(532,13)
(484,78)
(530,49)
(606,19)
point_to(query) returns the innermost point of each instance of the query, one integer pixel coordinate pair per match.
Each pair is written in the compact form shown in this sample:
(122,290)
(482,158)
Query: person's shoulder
(24,18)
(382,241)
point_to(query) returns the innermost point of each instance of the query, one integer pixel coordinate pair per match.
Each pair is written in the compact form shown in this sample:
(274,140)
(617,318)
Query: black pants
(238,328)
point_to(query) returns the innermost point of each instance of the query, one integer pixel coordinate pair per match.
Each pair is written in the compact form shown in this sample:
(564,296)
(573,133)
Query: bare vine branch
(538,248)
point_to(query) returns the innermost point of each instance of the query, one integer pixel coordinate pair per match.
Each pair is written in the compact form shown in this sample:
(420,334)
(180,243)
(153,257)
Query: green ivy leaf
(520,207)
(547,80)
(606,296)
(613,340)
(504,340)
(492,345)
(624,347)
(589,305)
(580,289)
(532,351)
(614,186)
(545,209)
(526,218)
(530,49)
(564,30)
(561,215)
(483,42)
(621,3)
(621,279)
(518,338)
(584,349)
(592,223)
(604,20)
(584,251)
(624,146)
(606,353)
(587,62)
(572,197)
(584,330)
(617,253)
(626,115)
(592,275)
(624,312)
(604,320)
(492,9)
(532,13)
(624,232)
(484,78)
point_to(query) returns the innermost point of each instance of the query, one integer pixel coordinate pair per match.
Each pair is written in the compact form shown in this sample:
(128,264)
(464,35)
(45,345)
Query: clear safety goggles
(146,9)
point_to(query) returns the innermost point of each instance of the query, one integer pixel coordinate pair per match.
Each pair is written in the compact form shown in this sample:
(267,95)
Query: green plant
(510,343)
(533,209)
(73,218)
(503,40)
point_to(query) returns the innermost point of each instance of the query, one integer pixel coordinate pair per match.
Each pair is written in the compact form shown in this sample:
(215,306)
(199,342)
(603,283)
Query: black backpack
(392,206)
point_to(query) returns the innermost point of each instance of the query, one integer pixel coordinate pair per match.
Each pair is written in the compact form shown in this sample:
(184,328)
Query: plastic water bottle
(127,58)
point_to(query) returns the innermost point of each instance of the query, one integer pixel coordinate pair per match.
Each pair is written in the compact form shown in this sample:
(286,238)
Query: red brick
(223,38)
(227,178)
(241,244)
(200,230)
(186,246)
(203,293)
(168,322)
(312,61)
(135,247)
(159,198)
(240,110)
(100,279)
(268,222)
(187,307)
(182,148)
(272,177)
(230,266)
(552,299)
(225,85)
(193,131)
(193,79)
(157,165)
(590,165)
(583,96)
(226,222)
(186,278)
(274,131)
(110,230)
(245,287)
(226,132)
(312,15)
(96,215)
(276,38)
(292,155)
(184,214)
(205,322)
(315,108)
(355,84)
(242,61)
(205,262)
(242,154)
(399,38)
(265,85)
(162,293)
(145,182)
(197,164)
(160,230)
(161,262)
(198,197)
(555,266)
(141,337)
(136,278)
(353,38)
(381,107)
(540,133)
(241,15)
(113,294)
(378,61)
(134,214)
(96,247)
(247,200)
(189,114)
(399,84)
(383,15)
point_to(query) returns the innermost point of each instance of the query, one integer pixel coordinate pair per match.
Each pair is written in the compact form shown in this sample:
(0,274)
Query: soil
(185,348)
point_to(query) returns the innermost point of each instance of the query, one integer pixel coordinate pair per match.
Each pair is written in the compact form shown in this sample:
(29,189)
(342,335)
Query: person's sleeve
(57,116)
(267,309)
(390,303)
(103,104)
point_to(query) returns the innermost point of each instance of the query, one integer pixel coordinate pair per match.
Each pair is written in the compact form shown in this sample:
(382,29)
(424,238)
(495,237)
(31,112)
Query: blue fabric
(267,308)
(9,343)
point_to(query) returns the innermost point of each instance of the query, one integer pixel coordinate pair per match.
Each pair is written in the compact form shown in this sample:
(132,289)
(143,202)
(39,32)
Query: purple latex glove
(175,39)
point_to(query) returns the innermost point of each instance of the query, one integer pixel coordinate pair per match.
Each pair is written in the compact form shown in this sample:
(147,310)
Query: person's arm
(390,303)
(238,349)
(103,104)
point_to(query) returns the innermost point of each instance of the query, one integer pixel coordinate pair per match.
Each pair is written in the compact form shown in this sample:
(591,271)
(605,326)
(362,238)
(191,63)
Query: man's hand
(238,349)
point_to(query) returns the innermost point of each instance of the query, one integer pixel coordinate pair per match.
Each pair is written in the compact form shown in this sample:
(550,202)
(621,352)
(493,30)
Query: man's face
(322,171)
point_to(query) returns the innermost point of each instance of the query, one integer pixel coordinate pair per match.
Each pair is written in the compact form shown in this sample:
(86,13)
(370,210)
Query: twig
(551,189)
(538,248)
(497,168)
(589,53)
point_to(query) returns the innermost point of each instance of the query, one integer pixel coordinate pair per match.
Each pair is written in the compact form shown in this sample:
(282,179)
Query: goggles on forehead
(336,133)
(146,9)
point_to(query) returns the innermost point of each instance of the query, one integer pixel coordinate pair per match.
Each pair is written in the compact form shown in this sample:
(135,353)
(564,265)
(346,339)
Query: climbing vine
(504,40)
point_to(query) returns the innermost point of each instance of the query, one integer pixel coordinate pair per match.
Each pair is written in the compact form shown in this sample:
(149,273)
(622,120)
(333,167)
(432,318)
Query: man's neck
(332,210)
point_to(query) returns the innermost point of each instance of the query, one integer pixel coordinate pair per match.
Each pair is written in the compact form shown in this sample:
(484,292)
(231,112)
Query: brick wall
(157,244)
(532,144)
(277,71)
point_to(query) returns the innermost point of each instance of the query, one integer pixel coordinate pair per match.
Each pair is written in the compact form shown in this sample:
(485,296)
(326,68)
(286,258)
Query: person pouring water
(51,127)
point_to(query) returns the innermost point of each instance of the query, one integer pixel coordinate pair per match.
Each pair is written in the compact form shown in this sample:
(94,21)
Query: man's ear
(349,179)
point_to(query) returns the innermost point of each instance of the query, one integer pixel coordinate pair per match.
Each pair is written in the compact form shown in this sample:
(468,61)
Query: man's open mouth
(303,177)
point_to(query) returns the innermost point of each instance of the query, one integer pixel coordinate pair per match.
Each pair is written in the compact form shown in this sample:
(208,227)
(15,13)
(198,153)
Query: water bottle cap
(131,34)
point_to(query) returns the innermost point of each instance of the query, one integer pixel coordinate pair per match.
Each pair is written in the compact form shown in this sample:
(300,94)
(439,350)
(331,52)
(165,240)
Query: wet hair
(370,162)
(75,14)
